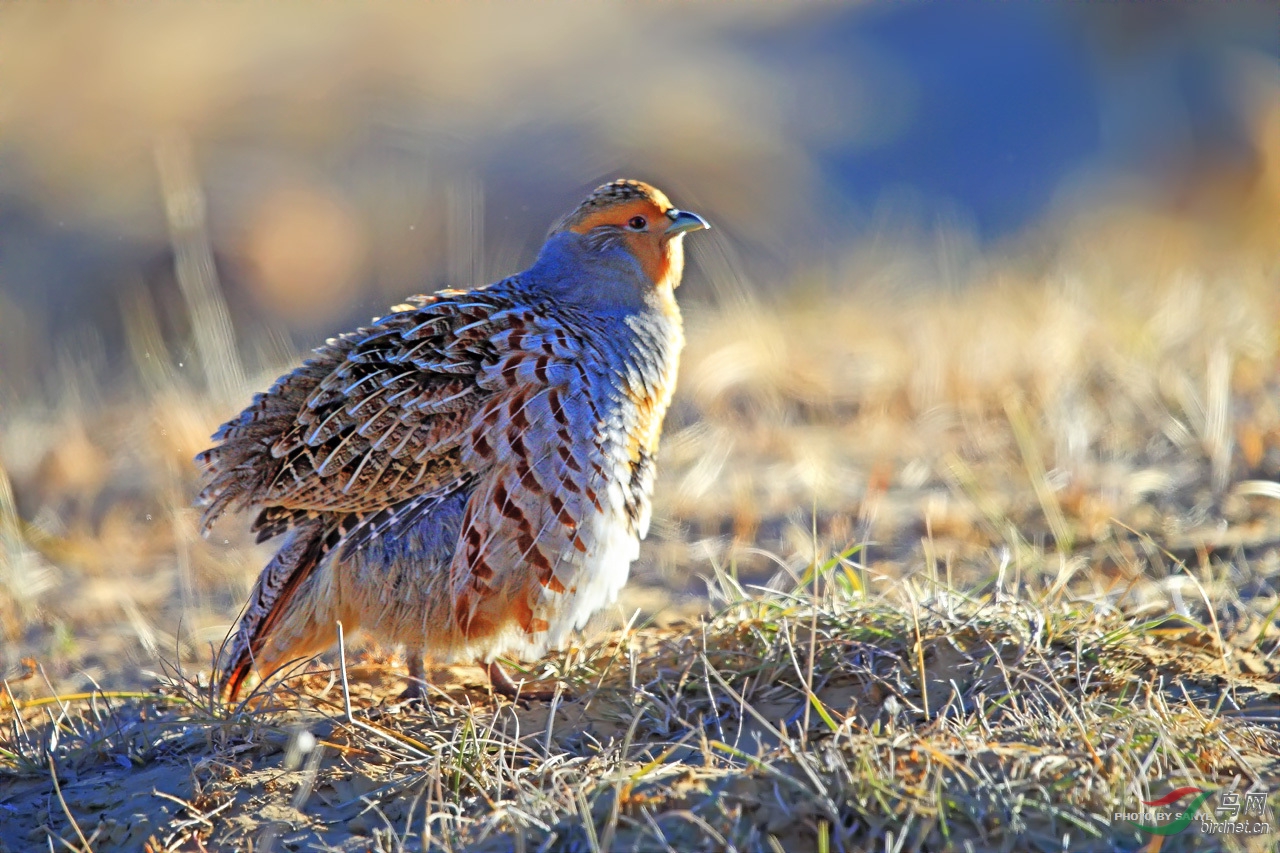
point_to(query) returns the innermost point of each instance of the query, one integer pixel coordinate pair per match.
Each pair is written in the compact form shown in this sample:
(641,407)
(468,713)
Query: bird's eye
(637,223)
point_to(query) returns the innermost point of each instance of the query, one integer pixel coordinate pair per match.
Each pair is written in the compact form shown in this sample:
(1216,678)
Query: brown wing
(375,418)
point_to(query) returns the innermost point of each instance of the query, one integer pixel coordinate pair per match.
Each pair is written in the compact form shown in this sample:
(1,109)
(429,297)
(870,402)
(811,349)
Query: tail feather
(271,599)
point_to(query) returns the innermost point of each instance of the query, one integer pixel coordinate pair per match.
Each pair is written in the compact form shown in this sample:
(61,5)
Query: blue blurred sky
(1003,104)
(991,107)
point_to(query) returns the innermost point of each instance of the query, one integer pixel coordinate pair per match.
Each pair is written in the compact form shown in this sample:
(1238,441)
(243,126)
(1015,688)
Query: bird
(469,476)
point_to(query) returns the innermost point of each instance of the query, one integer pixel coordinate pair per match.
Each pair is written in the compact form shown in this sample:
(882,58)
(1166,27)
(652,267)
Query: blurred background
(989,285)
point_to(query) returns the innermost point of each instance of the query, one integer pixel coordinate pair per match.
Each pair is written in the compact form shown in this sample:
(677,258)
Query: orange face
(643,225)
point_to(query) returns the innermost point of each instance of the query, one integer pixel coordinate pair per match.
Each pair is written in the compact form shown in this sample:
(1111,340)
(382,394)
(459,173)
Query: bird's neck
(609,282)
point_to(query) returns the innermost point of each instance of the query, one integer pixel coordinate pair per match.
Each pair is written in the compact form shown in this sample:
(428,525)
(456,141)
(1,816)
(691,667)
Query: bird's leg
(417,688)
(502,683)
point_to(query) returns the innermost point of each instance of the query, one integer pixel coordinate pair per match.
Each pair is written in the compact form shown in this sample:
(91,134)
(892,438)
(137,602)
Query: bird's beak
(683,220)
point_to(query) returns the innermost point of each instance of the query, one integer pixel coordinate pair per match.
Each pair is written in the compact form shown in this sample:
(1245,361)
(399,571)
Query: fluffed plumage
(470,475)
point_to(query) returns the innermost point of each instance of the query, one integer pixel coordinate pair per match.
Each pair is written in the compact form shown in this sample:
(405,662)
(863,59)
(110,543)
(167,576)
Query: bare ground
(947,724)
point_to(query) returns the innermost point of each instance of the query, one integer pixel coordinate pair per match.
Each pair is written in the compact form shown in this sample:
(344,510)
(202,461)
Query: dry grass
(826,719)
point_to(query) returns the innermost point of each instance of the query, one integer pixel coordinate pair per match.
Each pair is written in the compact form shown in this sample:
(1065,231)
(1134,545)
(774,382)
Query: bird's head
(635,218)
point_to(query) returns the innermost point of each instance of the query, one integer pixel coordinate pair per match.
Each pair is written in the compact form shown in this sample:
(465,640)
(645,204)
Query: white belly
(603,575)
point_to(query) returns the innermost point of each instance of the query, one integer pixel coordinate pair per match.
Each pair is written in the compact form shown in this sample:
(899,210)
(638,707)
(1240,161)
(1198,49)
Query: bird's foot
(502,683)
(417,689)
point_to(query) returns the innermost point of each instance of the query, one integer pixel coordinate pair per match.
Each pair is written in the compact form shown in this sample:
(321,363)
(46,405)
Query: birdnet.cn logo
(1184,808)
